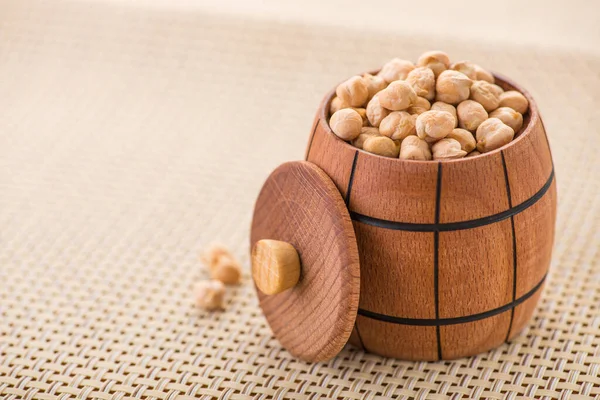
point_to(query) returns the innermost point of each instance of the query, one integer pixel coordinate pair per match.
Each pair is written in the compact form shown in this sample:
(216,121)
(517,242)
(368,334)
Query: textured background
(134,133)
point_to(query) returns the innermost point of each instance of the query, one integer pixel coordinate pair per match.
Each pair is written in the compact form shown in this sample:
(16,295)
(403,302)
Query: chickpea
(413,148)
(365,132)
(420,105)
(464,137)
(438,61)
(493,134)
(473,154)
(470,115)
(374,84)
(398,125)
(487,94)
(395,69)
(346,124)
(514,100)
(381,145)
(363,114)
(434,125)
(422,81)
(375,111)
(509,116)
(452,87)
(209,294)
(211,255)
(447,149)
(483,75)
(336,105)
(354,91)
(467,68)
(441,106)
(397,96)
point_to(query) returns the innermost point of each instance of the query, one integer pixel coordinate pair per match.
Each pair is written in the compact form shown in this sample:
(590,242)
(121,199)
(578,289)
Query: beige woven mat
(130,137)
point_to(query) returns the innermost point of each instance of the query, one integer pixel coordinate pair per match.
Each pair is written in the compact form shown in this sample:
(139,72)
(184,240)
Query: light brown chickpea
(466,67)
(209,294)
(473,153)
(434,125)
(363,114)
(413,148)
(226,270)
(354,91)
(470,115)
(493,134)
(374,84)
(483,74)
(447,149)
(336,105)
(395,69)
(420,105)
(346,124)
(397,96)
(422,80)
(452,87)
(365,132)
(464,137)
(212,253)
(441,106)
(398,125)
(509,116)
(437,60)
(487,94)
(514,100)
(381,145)
(375,111)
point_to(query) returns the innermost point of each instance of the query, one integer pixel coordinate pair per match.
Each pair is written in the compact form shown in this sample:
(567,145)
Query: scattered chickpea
(452,87)
(395,69)
(509,116)
(484,75)
(381,145)
(487,94)
(336,105)
(464,137)
(447,149)
(398,125)
(441,106)
(226,270)
(422,81)
(473,154)
(434,125)
(363,114)
(420,105)
(470,115)
(397,96)
(212,253)
(346,123)
(375,111)
(413,148)
(374,84)
(492,134)
(209,294)
(466,67)
(438,61)
(514,100)
(365,133)
(354,91)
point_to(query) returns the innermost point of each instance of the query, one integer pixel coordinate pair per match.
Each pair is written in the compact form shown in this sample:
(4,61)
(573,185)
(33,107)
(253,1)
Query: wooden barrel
(453,254)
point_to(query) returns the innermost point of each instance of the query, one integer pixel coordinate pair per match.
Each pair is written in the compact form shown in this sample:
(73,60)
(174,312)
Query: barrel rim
(529,124)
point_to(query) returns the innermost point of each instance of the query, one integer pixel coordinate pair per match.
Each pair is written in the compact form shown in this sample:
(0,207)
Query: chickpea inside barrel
(431,110)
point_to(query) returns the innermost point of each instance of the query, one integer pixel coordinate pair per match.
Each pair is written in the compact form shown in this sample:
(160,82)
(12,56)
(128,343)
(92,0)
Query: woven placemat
(131,137)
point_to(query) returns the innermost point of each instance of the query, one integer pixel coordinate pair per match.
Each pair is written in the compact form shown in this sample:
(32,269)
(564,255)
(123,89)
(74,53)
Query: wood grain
(299,204)
(275,266)
(446,248)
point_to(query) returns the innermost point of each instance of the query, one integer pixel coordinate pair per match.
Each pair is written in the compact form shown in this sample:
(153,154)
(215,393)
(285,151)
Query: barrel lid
(299,204)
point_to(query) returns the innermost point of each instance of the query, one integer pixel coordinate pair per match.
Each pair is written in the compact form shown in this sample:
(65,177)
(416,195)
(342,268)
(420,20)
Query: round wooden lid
(299,204)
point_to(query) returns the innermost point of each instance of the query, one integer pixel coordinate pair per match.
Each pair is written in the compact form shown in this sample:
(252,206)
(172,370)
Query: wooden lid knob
(275,266)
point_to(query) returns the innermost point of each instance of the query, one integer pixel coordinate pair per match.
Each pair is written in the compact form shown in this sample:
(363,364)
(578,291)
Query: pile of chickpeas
(432,110)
